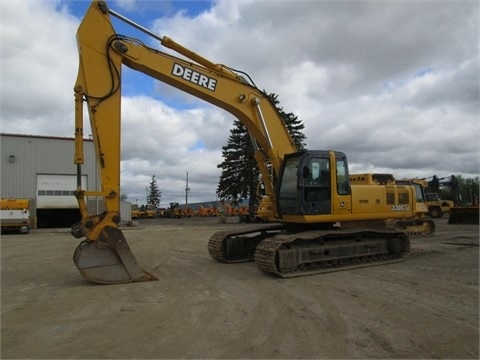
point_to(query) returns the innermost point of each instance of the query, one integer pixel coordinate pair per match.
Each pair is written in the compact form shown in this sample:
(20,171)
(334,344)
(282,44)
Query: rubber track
(215,243)
(266,252)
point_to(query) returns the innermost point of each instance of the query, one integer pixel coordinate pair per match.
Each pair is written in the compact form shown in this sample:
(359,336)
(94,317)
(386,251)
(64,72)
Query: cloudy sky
(393,84)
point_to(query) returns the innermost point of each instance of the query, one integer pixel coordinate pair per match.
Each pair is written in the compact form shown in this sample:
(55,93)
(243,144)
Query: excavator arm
(102,52)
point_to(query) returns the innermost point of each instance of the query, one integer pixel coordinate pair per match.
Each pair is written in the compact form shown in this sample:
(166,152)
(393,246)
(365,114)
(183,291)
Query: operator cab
(309,179)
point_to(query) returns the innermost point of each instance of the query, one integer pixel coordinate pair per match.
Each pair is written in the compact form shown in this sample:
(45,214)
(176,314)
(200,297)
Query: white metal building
(41,169)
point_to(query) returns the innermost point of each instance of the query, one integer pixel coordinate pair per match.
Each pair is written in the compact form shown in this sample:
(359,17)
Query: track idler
(108,259)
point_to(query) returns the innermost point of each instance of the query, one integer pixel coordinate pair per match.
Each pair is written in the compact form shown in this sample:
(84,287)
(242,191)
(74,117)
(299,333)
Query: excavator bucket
(464,215)
(109,260)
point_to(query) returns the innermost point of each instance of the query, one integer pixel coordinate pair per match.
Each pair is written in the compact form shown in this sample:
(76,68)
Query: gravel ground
(424,307)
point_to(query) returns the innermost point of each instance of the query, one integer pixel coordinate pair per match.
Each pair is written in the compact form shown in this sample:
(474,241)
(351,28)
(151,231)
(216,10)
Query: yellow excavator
(307,193)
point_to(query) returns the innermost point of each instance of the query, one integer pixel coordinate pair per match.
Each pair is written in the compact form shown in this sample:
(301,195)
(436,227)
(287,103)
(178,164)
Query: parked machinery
(460,213)
(174,211)
(395,194)
(437,206)
(14,215)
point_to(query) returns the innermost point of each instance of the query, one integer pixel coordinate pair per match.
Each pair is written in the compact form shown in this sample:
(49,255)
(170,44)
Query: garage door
(56,191)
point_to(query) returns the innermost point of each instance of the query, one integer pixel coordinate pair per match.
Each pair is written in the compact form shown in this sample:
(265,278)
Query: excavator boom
(104,257)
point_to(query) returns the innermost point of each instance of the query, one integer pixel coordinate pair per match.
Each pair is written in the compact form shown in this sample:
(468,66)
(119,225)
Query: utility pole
(187,189)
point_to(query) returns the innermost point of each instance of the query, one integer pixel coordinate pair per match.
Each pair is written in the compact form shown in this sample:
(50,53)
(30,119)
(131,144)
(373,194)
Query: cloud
(395,85)
(39,63)
(158,140)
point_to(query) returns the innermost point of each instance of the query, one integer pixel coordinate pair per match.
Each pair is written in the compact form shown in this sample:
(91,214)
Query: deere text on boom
(194,77)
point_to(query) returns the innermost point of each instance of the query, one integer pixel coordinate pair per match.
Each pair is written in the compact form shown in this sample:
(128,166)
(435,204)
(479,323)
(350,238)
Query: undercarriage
(284,254)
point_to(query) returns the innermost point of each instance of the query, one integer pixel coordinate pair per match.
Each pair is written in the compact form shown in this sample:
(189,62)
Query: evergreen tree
(154,193)
(239,169)
(294,125)
(240,175)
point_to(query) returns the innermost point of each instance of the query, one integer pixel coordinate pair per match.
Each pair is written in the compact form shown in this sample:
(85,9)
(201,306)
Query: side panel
(383,201)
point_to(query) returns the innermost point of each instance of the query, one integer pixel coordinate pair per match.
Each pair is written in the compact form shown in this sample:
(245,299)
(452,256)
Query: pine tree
(295,127)
(240,175)
(154,194)
(240,172)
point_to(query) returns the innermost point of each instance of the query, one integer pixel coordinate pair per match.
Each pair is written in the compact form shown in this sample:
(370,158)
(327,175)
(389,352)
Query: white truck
(14,215)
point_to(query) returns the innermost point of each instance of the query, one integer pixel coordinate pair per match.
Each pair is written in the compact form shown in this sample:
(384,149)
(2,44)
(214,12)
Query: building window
(56,192)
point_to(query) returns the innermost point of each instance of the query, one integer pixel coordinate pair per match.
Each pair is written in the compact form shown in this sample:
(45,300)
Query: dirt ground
(424,307)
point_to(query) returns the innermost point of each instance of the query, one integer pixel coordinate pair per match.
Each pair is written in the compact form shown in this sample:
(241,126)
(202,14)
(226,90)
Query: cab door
(341,191)
(315,186)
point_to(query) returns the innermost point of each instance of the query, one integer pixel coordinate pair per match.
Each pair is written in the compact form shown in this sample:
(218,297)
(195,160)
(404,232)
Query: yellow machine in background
(306,192)
(437,206)
(136,213)
(396,193)
(15,215)
(144,212)
(187,211)
(174,211)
